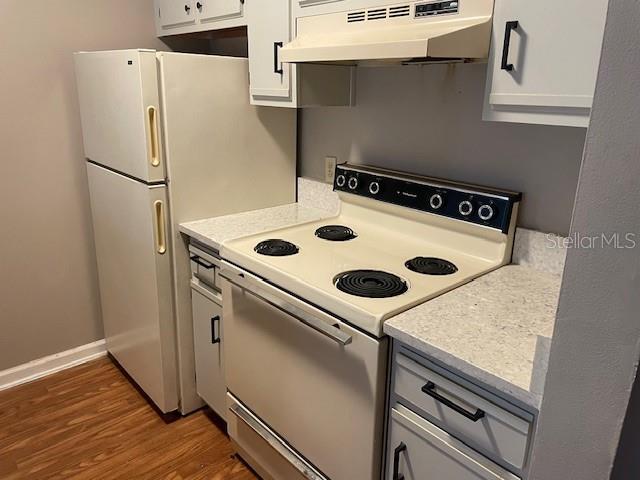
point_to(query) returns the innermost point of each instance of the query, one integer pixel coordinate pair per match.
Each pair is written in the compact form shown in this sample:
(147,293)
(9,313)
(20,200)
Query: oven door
(315,381)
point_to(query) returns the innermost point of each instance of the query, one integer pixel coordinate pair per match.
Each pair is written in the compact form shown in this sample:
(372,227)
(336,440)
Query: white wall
(428,120)
(596,344)
(48,284)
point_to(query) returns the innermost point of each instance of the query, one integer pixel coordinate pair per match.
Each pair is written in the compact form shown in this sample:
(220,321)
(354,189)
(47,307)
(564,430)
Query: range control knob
(353,183)
(486,212)
(374,188)
(465,208)
(341,180)
(436,201)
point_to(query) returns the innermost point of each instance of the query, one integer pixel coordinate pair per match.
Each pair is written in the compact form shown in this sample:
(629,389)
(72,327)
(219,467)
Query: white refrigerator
(169,138)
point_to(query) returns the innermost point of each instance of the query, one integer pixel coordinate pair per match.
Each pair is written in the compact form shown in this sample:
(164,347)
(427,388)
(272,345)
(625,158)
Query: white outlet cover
(330,168)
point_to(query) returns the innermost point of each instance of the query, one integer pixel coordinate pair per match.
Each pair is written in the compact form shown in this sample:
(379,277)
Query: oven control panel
(479,205)
(436,8)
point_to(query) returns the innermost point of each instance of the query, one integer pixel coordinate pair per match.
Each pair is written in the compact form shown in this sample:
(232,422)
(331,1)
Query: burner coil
(370,284)
(431,266)
(335,233)
(275,247)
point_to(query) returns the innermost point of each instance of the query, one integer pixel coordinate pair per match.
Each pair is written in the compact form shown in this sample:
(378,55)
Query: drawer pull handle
(509,27)
(430,389)
(277,66)
(396,461)
(200,262)
(215,337)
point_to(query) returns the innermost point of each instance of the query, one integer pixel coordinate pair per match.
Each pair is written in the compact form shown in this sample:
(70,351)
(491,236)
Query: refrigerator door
(130,222)
(223,156)
(118,93)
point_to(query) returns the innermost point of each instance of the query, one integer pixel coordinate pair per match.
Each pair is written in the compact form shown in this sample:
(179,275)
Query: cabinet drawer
(205,267)
(419,450)
(479,422)
(207,337)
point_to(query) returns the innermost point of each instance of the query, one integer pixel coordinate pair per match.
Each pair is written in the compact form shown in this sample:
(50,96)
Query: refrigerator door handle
(152,127)
(161,237)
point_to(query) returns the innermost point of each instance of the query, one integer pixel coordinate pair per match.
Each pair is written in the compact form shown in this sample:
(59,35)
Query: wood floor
(89,422)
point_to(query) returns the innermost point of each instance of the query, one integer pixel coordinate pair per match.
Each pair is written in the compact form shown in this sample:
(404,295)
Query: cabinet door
(269,28)
(173,13)
(207,336)
(543,70)
(217,9)
(130,221)
(418,450)
(119,107)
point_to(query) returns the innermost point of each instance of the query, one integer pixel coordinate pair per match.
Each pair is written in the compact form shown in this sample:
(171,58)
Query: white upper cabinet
(175,13)
(187,16)
(274,83)
(218,9)
(268,30)
(544,61)
(270,25)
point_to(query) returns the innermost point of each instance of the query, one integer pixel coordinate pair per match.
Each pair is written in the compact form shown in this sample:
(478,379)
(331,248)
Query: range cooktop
(386,251)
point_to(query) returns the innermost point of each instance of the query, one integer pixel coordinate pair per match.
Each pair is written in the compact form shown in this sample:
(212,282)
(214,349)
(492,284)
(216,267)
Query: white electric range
(306,359)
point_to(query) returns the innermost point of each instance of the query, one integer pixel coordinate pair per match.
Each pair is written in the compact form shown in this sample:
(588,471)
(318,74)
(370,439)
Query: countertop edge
(482,378)
(208,241)
(308,214)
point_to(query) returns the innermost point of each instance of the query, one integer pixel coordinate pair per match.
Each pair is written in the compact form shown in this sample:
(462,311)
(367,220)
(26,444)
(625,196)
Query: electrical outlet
(330,168)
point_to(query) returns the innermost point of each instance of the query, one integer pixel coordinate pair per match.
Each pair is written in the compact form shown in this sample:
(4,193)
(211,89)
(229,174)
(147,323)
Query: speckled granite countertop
(213,231)
(496,329)
(316,201)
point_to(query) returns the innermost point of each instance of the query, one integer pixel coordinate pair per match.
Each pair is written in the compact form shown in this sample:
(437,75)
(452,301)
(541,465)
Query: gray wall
(48,285)
(596,344)
(428,120)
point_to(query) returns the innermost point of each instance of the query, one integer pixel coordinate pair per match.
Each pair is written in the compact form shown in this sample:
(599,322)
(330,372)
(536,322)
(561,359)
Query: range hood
(449,30)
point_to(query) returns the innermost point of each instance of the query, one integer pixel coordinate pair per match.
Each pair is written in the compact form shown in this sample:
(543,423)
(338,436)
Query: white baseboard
(42,367)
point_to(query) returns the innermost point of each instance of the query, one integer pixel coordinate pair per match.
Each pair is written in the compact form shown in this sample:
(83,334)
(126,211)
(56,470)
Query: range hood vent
(379,13)
(451,30)
(401,11)
(360,16)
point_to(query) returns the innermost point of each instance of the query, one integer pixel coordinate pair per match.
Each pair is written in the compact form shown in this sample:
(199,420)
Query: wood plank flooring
(89,422)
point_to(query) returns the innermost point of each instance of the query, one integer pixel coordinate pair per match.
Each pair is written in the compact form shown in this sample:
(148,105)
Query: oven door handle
(240,281)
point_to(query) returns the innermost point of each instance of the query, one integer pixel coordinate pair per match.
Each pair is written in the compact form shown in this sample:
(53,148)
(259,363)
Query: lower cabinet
(419,450)
(207,334)
(444,427)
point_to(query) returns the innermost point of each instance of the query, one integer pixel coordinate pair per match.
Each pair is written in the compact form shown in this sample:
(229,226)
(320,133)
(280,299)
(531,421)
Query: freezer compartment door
(118,93)
(130,222)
